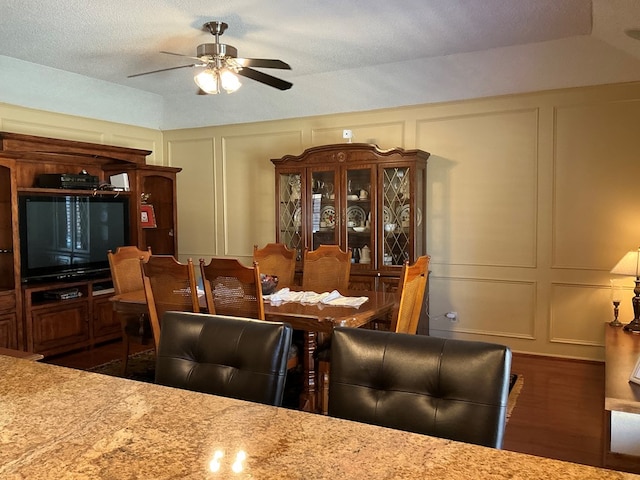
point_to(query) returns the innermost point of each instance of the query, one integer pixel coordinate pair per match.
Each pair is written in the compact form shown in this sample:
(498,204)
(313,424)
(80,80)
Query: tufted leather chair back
(229,356)
(453,389)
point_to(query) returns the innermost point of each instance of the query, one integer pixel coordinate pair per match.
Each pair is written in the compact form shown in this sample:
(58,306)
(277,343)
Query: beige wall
(531,200)
(47,124)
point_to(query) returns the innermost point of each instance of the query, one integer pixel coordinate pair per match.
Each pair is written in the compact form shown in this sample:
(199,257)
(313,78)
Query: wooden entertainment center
(32,321)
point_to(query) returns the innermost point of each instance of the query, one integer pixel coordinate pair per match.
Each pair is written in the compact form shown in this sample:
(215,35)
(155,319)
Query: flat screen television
(68,236)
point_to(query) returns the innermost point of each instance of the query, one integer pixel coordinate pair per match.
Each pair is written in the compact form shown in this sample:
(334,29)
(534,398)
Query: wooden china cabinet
(357,196)
(32,317)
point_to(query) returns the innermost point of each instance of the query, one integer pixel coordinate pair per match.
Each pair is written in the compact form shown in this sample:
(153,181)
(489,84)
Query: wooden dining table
(309,318)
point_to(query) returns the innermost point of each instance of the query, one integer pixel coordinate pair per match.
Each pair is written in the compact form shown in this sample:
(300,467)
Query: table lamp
(629,265)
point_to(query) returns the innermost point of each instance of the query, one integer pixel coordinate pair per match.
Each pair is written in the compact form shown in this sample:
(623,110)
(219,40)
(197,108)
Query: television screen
(67,235)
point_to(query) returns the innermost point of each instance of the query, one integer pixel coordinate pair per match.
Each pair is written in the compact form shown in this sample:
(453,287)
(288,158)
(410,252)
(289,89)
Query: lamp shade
(629,265)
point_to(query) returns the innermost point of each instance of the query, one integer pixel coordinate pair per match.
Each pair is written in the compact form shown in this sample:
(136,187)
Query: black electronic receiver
(68,181)
(64,294)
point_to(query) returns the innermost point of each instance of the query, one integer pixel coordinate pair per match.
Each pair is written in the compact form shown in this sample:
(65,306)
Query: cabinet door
(362,282)
(8,331)
(159,232)
(105,324)
(399,216)
(8,227)
(388,284)
(292,224)
(59,326)
(323,210)
(8,320)
(360,217)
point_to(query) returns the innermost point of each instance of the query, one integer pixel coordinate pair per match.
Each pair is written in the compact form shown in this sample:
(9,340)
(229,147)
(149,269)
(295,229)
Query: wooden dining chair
(124,264)
(411,288)
(326,268)
(277,259)
(168,286)
(233,289)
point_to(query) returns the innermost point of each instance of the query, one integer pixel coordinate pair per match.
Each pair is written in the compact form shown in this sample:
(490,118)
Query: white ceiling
(345,56)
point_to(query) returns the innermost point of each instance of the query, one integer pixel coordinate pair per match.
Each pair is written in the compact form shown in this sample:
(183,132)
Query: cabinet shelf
(65,191)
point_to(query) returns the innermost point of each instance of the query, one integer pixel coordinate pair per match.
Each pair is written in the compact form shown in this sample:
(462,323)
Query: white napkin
(286,295)
(336,299)
(312,298)
(278,297)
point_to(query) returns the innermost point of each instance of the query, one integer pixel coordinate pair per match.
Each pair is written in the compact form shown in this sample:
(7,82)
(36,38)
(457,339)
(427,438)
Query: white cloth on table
(311,298)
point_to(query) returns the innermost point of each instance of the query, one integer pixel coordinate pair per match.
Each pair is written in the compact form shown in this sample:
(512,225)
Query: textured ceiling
(345,56)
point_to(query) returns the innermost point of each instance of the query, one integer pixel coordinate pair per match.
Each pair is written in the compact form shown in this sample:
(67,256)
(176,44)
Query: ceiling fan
(222,65)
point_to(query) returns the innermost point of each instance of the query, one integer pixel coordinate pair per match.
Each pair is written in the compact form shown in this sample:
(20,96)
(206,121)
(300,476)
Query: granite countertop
(57,422)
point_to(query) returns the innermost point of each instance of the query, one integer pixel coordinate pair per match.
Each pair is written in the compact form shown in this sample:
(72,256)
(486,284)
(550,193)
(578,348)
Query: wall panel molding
(578,313)
(483,188)
(248,158)
(595,172)
(495,307)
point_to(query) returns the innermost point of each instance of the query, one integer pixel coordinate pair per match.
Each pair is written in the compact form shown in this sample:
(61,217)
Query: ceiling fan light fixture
(229,80)
(208,81)
(213,80)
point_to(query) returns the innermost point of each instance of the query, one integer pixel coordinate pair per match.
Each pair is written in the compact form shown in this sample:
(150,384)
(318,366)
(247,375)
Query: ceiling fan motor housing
(216,50)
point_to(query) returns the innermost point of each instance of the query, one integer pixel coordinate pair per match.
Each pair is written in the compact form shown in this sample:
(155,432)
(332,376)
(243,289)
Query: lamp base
(633,327)
(616,310)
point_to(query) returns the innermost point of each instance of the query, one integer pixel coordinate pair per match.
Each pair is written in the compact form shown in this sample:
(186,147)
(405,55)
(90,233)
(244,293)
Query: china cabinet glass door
(291,213)
(360,203)
(397,215)
(325,216)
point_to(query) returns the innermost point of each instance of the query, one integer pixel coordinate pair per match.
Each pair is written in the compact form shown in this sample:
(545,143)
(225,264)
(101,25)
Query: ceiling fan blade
(162,70)
(262,63)
(180,55)
(265,78)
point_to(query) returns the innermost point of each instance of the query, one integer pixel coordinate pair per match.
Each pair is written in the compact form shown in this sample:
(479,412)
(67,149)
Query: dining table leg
(308,396)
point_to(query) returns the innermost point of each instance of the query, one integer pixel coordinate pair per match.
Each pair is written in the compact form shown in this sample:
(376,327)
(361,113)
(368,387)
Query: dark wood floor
(559,413)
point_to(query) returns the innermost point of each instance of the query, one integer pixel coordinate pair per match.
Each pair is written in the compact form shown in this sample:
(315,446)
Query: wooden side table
(622,350)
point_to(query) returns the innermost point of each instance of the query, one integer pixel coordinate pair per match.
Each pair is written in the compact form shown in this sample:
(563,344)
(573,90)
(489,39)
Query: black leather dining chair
(228,356)
(454,389)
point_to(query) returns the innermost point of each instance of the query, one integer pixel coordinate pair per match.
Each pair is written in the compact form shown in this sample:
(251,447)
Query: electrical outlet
(452,316)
